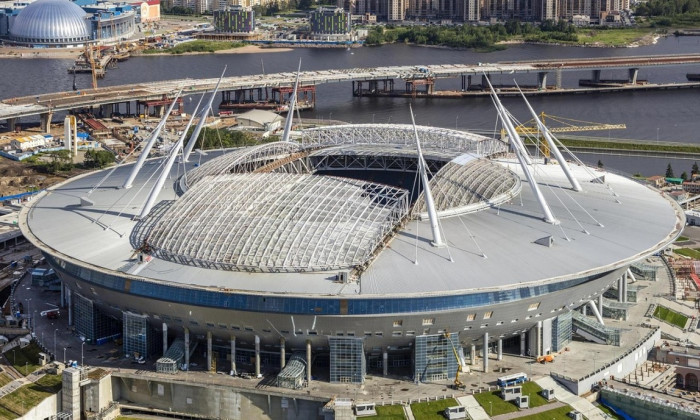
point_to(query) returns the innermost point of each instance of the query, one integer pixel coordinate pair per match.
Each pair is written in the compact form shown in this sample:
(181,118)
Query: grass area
(559,413)
(688,252)
(432,410)
(22,400)
(25,360)
(609,412)
(197,46)
(672,317)
(682,239)
(612,37)
(492,403)
(388,412)
(533,390)
(4,379)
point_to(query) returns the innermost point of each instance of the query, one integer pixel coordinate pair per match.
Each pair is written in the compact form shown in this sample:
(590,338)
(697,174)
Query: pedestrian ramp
(476,412)
(582,405)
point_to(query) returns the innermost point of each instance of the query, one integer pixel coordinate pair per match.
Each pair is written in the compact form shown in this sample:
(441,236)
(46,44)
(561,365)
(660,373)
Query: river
(662,115)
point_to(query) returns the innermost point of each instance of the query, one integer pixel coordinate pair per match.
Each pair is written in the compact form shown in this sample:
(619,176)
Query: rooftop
(323,222)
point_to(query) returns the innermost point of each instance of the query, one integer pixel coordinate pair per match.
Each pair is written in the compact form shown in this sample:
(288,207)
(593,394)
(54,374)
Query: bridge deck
(62,101)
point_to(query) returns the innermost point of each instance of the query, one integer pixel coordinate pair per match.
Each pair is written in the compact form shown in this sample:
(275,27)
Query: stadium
(323,254)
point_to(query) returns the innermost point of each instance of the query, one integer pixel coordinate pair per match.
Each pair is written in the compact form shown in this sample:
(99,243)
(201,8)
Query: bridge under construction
(420,80)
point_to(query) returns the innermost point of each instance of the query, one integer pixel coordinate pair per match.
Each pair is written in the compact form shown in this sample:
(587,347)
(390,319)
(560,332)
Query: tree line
(478,37)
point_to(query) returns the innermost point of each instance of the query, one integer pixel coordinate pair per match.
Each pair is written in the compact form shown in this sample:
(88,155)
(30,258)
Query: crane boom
(572,128)
(458,384)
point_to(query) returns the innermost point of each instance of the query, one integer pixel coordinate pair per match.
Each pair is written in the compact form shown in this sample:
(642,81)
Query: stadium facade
(322,250)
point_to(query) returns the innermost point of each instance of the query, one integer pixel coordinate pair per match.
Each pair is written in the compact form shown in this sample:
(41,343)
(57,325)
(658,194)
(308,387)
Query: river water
(666,115)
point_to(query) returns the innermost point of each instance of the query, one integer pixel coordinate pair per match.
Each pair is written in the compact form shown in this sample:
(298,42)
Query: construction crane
(458,384)
(567,125)
(91,59)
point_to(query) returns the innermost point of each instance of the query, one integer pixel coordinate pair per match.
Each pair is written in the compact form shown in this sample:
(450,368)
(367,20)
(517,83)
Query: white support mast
(154,136)
(427,194)
(202,119)
(553,147)
(508,124)
(158,186)
(292,104)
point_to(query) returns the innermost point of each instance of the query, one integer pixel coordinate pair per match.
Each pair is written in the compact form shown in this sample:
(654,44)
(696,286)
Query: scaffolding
(292,376)
(172,358)
(139,339)
(434,358)
(91,324)
(561,331)
(347,360)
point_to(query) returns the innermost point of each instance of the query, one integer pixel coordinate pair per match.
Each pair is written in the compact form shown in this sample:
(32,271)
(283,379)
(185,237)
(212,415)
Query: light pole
(657,134)
(82,353)
(54,343)
(490,408)
(456,119)
(27,314)
(64,355)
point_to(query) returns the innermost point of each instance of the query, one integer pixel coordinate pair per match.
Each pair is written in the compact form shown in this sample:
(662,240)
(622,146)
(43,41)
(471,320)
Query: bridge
(158,93)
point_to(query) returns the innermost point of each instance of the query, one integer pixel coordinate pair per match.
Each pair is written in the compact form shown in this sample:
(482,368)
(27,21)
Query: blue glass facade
(308,306)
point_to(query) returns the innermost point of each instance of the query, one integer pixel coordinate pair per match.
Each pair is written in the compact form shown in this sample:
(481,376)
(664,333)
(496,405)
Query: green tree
(98,158)
(60,161)
(684,176)
(669,171)
(695,169)
(600,164)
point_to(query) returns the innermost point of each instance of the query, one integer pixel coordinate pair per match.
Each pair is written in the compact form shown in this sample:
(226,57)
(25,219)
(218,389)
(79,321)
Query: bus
(514,379)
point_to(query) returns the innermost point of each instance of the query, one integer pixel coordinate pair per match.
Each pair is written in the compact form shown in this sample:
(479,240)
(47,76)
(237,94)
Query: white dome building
(55,23)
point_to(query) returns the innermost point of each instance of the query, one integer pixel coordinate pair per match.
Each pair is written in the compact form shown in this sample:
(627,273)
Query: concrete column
(63,294)
(596,75)
(385,363)
(472,355)
(600,303)
(522,344)
(500,349)
(187,348)
(538,349)
(308,362)
(559,78)
(45,119)
(624,287)
(165,338)
(283,362)
(209,351)
(12,123)
(633,75)
(486,352)
(257,356)
(484,82)
(542,80)
(584,310)
(620,287)
(233,354)
(69,292)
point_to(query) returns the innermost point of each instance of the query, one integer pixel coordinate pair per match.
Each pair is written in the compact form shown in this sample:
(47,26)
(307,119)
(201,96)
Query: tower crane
(566,125)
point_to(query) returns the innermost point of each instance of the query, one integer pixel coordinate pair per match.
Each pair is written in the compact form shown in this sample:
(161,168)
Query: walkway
(582,405)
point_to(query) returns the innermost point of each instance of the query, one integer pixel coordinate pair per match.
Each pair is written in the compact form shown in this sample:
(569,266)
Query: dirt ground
(18,177)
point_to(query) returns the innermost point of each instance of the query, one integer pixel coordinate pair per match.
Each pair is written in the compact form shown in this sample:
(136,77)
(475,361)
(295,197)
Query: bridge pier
(559,78)
(633,75)
(542,80)
(595,76)
(464,82)
(12,123)
(45,119)
(484,81)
